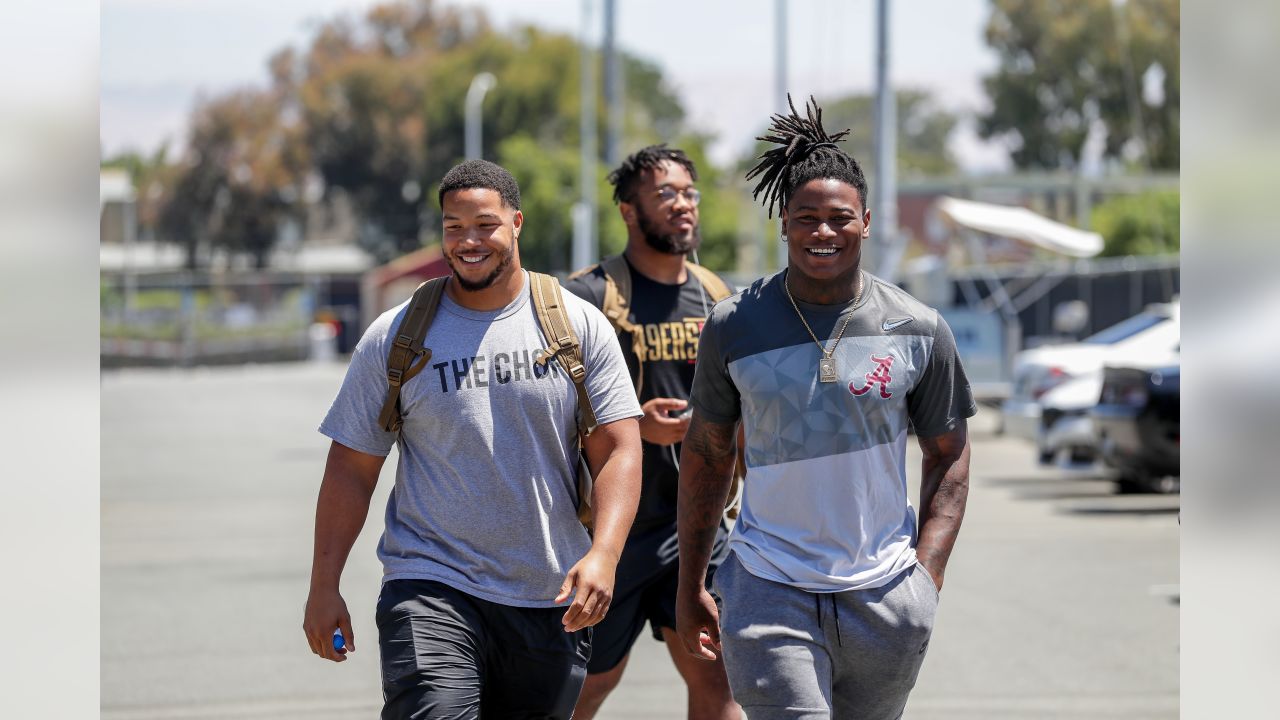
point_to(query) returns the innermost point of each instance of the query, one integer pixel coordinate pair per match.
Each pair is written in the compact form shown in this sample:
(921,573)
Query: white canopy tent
(1021,224)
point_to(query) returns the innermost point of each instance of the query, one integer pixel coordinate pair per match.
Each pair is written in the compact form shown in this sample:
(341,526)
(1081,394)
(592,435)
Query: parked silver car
(1055,386)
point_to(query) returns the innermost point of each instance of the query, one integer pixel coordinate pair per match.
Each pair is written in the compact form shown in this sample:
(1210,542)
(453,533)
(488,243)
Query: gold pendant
(827,370)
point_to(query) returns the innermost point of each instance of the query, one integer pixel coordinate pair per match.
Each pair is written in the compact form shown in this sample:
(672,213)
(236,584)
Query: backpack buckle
(394,376)
(577,372)
(403,341)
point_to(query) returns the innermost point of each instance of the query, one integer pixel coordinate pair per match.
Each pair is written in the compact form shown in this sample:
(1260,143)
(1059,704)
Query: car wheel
(1143,483)
(1131,485)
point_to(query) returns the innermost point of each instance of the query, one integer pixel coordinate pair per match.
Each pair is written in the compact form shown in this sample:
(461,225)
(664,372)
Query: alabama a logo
(879,376)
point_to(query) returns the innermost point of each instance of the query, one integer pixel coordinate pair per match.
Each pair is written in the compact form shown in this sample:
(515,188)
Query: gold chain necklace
(826,363)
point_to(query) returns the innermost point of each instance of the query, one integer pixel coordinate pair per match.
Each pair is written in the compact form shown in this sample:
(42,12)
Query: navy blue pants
(449,655)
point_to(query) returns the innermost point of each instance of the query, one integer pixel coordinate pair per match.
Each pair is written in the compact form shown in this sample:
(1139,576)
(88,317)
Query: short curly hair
(484,175)
(627,175)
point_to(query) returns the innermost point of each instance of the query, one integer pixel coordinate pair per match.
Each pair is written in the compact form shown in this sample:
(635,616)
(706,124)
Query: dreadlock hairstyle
(624,178)
(804,152)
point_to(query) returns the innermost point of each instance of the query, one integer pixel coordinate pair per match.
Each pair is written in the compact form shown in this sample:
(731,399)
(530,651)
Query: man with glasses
(657,301)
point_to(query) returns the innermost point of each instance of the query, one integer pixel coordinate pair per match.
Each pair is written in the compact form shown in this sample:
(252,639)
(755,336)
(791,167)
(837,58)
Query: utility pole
(584,239)
(612,86)
(780,102)
(884,217)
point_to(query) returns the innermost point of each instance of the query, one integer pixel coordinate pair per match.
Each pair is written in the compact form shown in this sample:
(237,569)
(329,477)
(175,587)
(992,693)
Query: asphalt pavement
(1061,599)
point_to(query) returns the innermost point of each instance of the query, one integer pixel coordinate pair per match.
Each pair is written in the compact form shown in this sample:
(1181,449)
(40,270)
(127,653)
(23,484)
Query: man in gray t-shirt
(482,547)
(831,588)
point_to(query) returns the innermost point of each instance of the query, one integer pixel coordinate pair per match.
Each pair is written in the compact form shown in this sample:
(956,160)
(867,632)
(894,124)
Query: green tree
(1142,224)
(548,178)
(239,180)
(383,103)
(1066,65)
(373,107)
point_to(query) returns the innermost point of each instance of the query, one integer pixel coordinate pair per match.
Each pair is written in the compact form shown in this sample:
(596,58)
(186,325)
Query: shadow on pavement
(1121,509)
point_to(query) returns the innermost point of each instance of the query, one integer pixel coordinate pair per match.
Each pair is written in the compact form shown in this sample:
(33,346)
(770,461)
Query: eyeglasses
(667,196)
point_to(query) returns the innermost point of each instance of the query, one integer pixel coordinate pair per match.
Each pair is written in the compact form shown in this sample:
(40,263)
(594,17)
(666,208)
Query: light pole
(886,252)
(480,85)
(612,86)
(584,236)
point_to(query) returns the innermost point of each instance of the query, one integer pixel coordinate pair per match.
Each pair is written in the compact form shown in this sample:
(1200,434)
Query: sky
(159,56)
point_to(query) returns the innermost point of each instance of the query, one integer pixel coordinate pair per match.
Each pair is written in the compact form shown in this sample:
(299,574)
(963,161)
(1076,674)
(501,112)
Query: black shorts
(644,591)
(447,654)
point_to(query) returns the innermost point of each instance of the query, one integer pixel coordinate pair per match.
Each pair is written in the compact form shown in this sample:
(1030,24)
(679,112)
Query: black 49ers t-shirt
(671,317)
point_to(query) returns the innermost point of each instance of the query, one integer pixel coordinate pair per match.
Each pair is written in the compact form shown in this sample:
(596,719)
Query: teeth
(473,258)
(822,251)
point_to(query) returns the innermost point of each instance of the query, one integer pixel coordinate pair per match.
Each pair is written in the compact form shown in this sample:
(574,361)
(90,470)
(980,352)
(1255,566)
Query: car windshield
(1125,329)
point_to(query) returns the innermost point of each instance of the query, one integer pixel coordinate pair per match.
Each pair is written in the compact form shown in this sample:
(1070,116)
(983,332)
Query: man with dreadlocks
(830,590)
(657,302)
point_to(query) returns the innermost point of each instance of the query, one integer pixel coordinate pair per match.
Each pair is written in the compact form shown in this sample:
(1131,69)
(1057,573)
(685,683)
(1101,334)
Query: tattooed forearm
(706,468)
(944,490)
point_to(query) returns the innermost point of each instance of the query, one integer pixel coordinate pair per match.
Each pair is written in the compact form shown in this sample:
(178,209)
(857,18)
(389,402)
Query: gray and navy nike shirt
(825,504)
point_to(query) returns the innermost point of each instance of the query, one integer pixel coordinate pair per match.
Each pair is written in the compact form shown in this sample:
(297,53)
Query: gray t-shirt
(825,504)
(485,498)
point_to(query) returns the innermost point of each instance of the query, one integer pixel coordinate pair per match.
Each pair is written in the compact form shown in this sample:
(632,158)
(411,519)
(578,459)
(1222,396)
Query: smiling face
(480,234)
(825,224)
(664,209)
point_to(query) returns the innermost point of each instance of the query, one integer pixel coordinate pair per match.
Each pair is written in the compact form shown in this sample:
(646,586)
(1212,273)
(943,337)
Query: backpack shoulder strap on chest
(616,304)
(553,317)
(616,307)
(407,347)
(711,282)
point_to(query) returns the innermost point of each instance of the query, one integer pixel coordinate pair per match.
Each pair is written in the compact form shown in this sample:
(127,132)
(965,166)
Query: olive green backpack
(408,356)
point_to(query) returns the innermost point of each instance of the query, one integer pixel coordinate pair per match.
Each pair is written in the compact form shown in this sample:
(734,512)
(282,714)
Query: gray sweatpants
(849,655)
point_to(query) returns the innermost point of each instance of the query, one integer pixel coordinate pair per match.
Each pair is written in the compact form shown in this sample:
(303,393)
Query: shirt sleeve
(942,397)
(714,395)
(613,397)
(353,417)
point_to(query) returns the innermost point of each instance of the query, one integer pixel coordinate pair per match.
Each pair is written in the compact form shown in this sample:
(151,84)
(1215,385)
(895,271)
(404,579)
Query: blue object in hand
(339,642)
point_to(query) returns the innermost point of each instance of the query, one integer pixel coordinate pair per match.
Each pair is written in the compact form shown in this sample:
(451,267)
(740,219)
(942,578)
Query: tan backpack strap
(548,302)
(616,306)
(711,282)
(407,347)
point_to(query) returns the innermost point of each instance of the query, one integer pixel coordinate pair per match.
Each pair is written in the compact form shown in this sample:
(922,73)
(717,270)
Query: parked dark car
(1137,425)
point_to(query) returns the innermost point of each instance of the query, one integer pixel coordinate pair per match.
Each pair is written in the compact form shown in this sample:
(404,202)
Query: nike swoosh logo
(895,323)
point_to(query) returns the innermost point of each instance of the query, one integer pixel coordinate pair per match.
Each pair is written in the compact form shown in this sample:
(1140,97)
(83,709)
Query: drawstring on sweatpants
(835,611)
(835,608)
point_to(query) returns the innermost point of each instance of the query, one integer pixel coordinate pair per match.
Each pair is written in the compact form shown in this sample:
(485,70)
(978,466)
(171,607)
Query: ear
(782,216)
(866,224)
(516,222)
(628,213)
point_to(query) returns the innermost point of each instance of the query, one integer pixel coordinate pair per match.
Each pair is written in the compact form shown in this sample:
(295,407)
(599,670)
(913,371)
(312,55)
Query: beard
(668,244)
(504,264)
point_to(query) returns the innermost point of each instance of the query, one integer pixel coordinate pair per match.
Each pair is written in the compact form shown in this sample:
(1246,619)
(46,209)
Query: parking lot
(1061,600)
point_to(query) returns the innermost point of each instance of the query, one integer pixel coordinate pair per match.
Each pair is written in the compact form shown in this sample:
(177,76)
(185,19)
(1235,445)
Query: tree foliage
(1142,224)
(240,179)
(383,101)
(1066,66)
(371,110)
